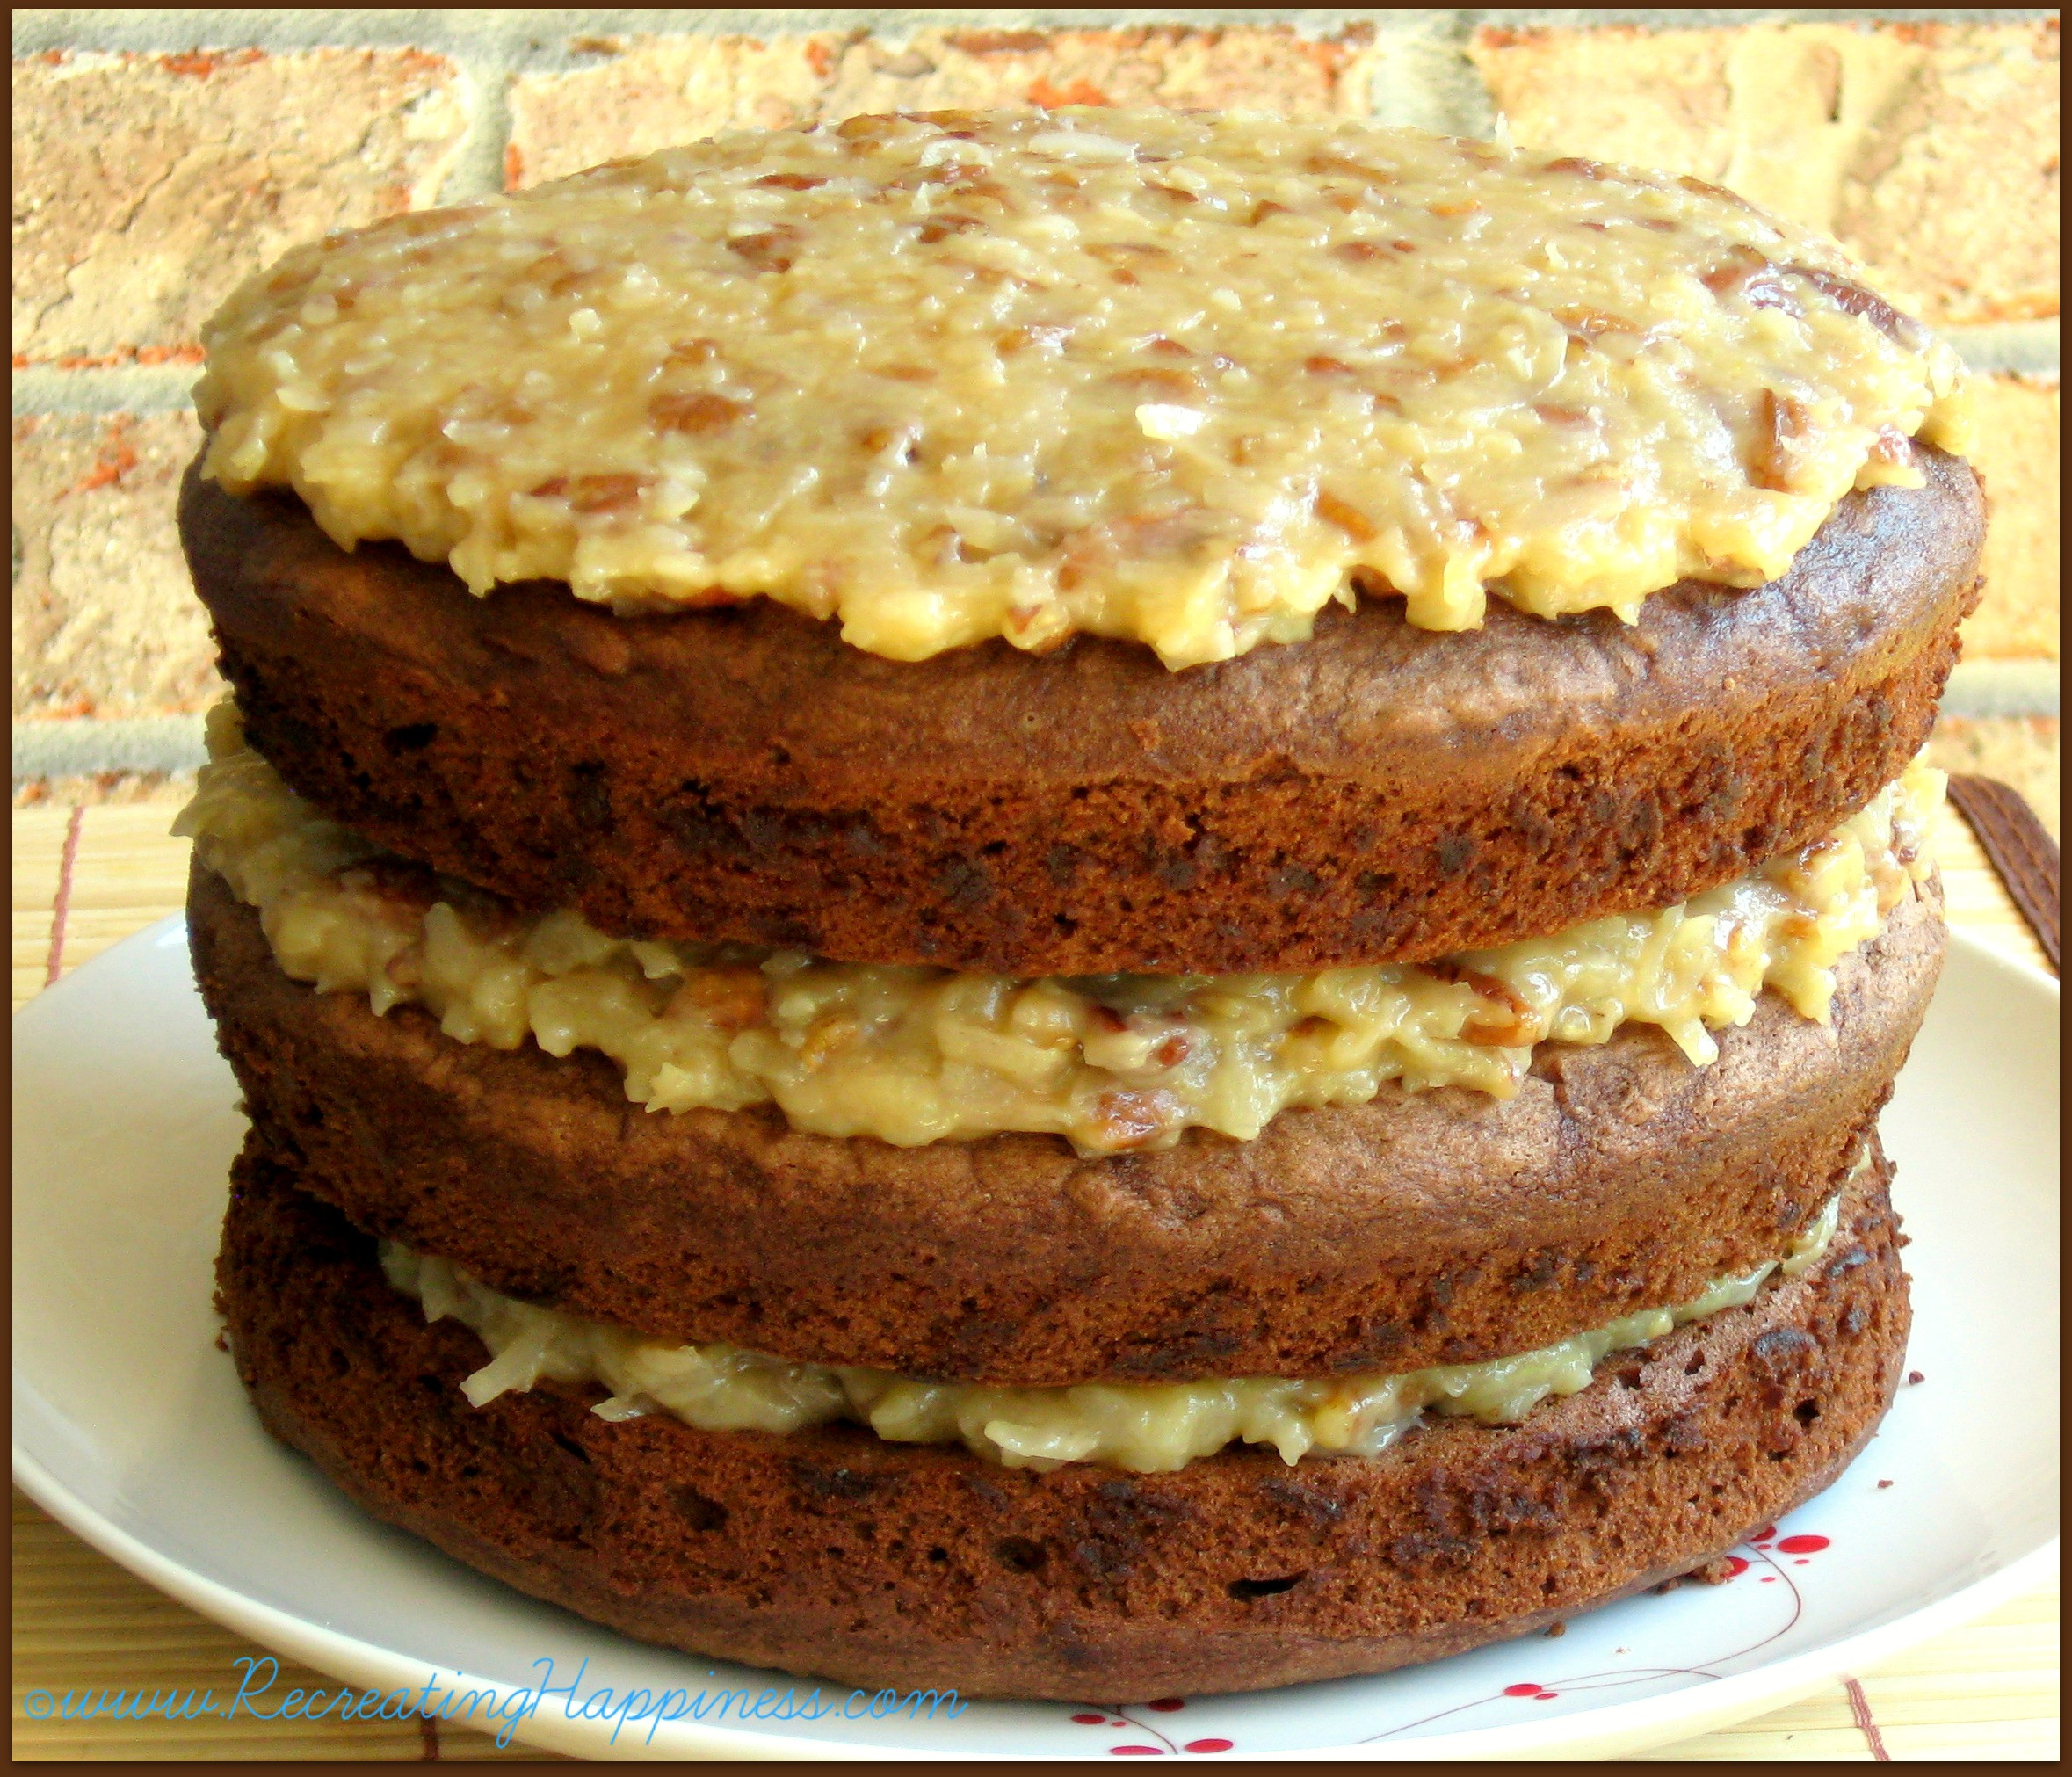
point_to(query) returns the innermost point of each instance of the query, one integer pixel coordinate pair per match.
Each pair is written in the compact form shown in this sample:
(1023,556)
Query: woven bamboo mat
(84,878)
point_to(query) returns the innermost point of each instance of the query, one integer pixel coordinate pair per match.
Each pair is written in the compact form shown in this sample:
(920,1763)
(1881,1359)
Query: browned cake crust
(1377,792)
(833,1554)
(1423,1228)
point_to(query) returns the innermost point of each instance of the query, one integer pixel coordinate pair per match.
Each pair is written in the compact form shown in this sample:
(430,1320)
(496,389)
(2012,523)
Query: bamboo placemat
(85,877)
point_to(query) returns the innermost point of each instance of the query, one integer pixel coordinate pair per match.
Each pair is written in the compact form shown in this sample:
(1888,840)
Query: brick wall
(161,155)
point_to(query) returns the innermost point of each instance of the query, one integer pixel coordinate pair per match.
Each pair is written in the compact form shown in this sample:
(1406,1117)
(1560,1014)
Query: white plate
(130,1427)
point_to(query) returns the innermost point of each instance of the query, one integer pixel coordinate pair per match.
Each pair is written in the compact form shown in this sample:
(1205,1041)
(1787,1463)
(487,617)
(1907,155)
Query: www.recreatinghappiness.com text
(491,1708)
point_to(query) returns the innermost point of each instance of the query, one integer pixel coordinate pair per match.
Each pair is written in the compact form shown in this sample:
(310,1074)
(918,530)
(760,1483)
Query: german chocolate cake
(1073,904)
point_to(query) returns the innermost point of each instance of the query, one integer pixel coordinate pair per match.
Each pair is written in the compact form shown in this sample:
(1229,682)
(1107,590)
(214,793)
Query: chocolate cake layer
(1426,1228)
(1376,792)
(833,1554)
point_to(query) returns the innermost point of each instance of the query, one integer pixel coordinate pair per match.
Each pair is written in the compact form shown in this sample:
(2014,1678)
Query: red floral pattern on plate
(1798,1549)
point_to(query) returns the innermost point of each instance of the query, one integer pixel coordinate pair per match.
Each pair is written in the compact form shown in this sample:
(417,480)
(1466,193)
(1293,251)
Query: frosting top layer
(1176,377)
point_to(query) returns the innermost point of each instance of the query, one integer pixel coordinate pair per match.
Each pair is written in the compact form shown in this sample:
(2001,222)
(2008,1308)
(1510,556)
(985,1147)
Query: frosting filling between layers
(1146,1427)
(1114,1063)
(1182,379)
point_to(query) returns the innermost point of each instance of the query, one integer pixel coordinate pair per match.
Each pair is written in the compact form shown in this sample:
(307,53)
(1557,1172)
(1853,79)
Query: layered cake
(1075,904)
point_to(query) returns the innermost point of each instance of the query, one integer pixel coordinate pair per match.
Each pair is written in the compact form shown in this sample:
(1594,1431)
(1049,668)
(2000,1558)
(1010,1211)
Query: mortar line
(477,168)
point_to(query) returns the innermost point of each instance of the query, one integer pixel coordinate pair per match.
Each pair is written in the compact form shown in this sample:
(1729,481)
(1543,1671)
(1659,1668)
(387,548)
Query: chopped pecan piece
(1780,423)
(940,227)
(732,999)
(1502,1020)
(1348,518)
(1589,323)
(1177,532)
(591,493)
(774,250)
(1158,379)
(828,1032)
(1037,628)
(1705,189)
(1130,1120)
(1340,163)
(1740,263)
(1853,299)
(1035,334)
(698,412)
(605,493)
(970,182)
(943,545)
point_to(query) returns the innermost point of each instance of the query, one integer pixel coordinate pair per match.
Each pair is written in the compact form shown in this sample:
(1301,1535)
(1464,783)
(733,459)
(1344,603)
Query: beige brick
(2018,750)
(146,186)
(1621,94)
(2017,454)
(1954,193)
(1931,149)
(650,92)
(1267,68)
(106,620)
